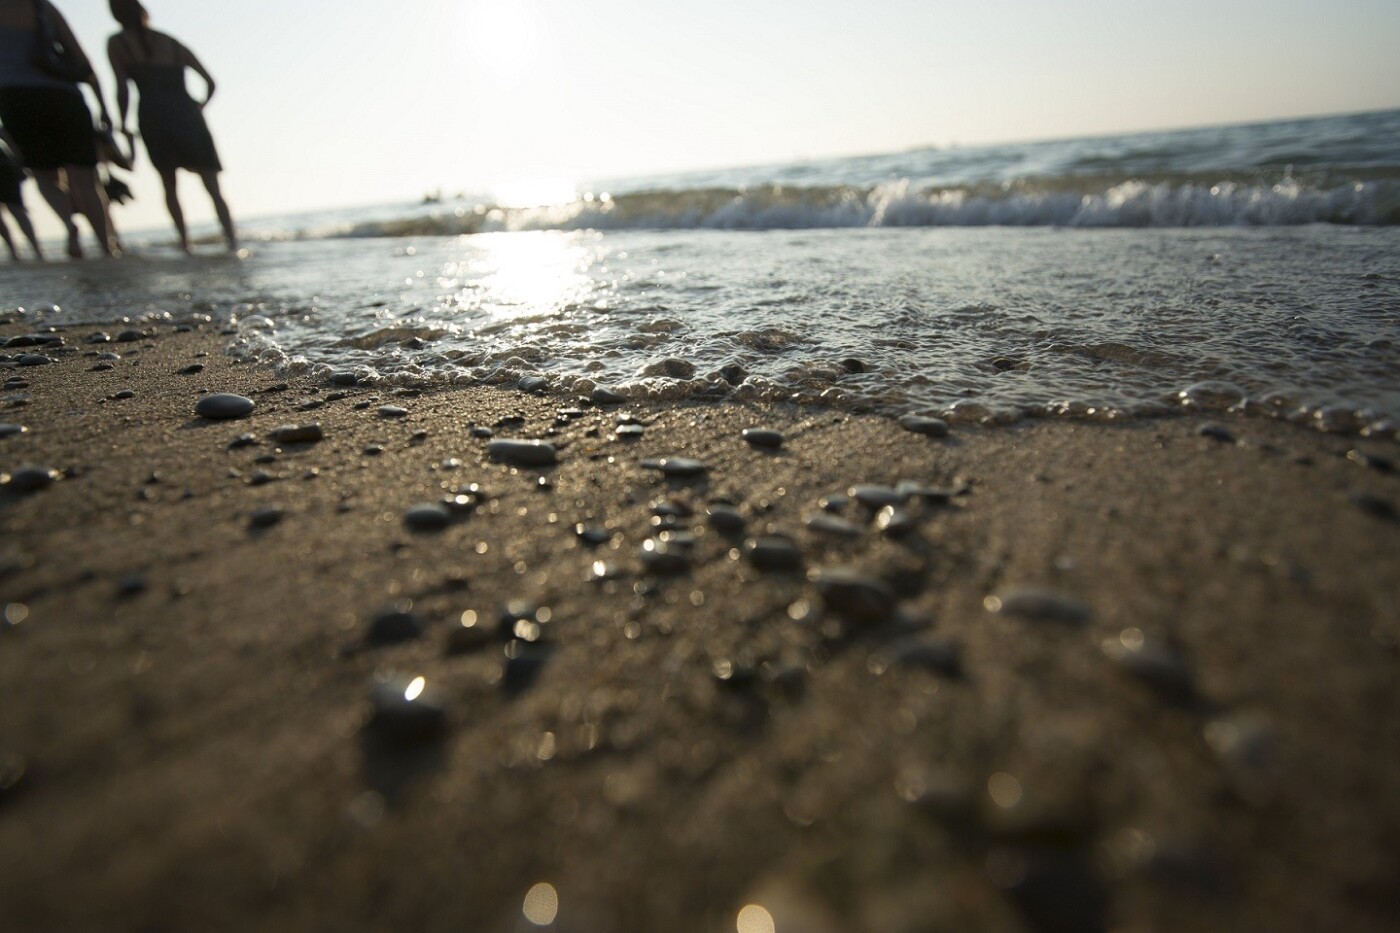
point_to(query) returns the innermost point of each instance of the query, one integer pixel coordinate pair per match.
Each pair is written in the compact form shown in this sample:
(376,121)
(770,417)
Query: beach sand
(1191,722)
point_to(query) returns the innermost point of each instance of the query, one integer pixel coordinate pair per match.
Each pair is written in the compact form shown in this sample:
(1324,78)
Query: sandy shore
(1194,725)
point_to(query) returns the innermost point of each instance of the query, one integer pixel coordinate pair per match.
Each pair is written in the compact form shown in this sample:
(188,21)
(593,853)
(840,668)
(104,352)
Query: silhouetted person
(49,119)
(172,123)
(12,196)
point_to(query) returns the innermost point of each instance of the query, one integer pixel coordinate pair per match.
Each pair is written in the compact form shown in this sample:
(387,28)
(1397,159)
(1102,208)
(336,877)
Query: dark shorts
(10,180)
(51,126)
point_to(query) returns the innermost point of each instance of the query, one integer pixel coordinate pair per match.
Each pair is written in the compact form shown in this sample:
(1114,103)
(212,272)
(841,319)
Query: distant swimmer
(41,67)
(171,122)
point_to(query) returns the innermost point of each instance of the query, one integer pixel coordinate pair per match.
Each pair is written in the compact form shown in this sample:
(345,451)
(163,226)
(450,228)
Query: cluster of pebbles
(848,603)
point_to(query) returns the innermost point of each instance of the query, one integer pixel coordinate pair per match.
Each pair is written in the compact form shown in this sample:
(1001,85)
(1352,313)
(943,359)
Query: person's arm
(188,58)
(70,42)
(116,55)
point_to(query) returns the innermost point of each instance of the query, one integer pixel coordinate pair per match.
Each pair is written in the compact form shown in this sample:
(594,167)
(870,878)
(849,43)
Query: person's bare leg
(172,204)
(9,242)
(53,192)
(26,226)
(211,184)
(91,202)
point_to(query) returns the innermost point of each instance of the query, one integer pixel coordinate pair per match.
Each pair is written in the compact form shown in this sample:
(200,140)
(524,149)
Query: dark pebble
(34,359)
(895,522)
(133,584)
(407,710)
(296,434)
(854,595)
(876,497)
(260,478)
(675,466)
(1038,604)
(929,427)
(1216,432)
(1375,506)
(533,383)
(344,379)
(373,450)
(602,396)
(99,337)
(191,369)
(834,503)
(222,405)
(123,395)
(266,517)
(481,433)
(853,365)
(392,411)
(130,336)
(664,558)
(773,553)
(110,357)
(828,524)
(939,655)
(592,535)
(523,663)
(429,516)
(392,626)
(762,437)
(101,368)
(31,479)
(312,405)
(8,430)
(726,519)
(630,431)
(523,452)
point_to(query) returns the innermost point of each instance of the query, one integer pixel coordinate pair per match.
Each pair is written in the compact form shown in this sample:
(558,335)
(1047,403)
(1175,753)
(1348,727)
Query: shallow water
(979,324)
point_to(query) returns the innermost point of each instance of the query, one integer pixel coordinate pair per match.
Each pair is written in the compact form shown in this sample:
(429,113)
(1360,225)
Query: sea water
(1253,269)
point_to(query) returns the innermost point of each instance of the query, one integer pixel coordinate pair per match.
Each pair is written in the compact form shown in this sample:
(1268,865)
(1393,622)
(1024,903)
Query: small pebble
(523,452)
(762,437)
(675,466)
(191,369)
(34,359)
(895,522)
(592,535)
(407,710)
(876,497)
(8,430)
(130,336)
(854,595)
(429,516)
(30,479)
(939,655)
(930,427)
(533,383)
(603,396)
(833,503)
(266,517)
(296,434)
(1038,604)
(344,378)
(630,431)
(392,411)
(123,395)
(773,553)
(726,519)
(1216,432)
(373,450)
(827,524)
(392,626)
(664,558)
(222,405)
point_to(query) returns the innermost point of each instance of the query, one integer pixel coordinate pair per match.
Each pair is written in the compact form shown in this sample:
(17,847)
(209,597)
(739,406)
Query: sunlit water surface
(980,324)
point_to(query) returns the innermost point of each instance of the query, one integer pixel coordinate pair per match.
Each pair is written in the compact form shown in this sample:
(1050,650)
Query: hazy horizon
(331,105)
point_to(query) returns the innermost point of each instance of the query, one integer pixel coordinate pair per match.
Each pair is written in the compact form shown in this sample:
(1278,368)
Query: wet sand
(1194,725)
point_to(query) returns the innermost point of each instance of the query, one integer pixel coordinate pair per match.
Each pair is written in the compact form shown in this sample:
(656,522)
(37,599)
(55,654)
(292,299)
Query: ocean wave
(1072,201)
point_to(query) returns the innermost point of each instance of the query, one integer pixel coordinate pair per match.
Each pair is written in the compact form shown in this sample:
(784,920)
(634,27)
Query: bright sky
(325,103)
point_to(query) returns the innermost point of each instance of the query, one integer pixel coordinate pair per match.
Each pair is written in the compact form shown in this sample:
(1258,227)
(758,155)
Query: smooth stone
(223,405)
(664,558)
(266,517)
(876,497)
(34,359)
(344,379)
(675,466)
(773,553)
(592,535)
(1153,663)
(101,368)
(895,522)
(855,595)
(762,437)
(482,433)
(523,452)
(523,664)
(110,357)
(130,336)
(123,395)
(1216,433)
(630,431)
(32,479)
(132,584)
(912,490)
(190,370)
(825,523)
(533,383)
(929,427)
(8,430)
(392,411)
(726,519)
(602,396)
(296,434)
(1039,604)
(392,626)
(99,337)
(407,710)
(260,478)
(833,503)
(939,655)
(428,516)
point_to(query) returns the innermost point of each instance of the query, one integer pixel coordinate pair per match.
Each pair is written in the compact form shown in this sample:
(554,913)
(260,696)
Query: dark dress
(172,123)
(10,180)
